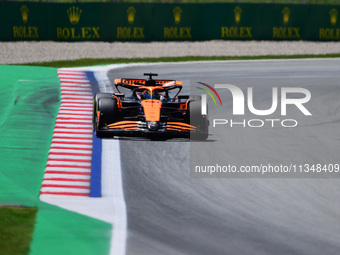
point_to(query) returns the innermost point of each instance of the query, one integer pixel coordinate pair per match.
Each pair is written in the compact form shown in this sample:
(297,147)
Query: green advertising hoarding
(177,22)
(284,22)
(77,22)
(129,22)
(323,23)
(231,22)
(167,22)
(23,21)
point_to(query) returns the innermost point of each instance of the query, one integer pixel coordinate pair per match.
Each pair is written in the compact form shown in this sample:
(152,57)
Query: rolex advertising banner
(230,21)
(68,22)
(167,22)
(284,22)
(177,22)
(323,23)
(126,22)
(23,21)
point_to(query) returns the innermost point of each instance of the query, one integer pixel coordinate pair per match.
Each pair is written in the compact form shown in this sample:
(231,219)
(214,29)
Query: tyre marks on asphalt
(68,168)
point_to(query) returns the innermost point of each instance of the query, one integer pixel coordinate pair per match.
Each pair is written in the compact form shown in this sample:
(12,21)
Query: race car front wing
(148,128)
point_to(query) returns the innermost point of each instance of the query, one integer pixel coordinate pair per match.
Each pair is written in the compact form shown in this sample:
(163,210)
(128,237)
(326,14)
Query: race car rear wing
(136,83)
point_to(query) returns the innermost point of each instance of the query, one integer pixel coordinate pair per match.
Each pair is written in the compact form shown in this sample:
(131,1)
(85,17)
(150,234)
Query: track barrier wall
(167,22)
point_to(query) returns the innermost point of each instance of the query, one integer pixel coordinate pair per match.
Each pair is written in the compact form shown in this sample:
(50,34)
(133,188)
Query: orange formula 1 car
(149,111)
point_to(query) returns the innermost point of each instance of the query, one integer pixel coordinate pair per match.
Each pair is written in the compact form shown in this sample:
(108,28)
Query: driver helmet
(147,94)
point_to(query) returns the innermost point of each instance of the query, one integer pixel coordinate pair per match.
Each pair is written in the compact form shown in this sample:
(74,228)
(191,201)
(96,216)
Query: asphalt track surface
(170,213)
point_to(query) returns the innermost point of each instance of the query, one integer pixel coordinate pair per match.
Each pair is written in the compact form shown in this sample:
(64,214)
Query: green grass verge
(16,229)
(107,61)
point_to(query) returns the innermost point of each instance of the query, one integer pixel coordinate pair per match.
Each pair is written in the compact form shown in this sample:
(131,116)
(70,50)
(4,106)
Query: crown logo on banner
(24,13)
(177,14)
(237,12)
(74,14)
(285,13)
(334,16)
(131,11)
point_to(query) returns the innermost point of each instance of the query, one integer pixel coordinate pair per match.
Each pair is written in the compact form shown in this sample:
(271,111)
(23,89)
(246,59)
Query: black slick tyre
(107,108)
(95,106)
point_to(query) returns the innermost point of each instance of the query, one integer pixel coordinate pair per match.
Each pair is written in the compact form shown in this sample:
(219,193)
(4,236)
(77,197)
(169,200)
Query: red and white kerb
(68,168)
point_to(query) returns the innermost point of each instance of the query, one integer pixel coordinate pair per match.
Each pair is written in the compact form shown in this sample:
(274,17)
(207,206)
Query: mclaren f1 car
(149,110)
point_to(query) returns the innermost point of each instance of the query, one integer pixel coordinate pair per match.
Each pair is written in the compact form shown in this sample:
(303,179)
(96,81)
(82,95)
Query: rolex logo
(24,13)
(334,16)
(177,14)
(285,13)
(74,15)
(237,12)
(131,11)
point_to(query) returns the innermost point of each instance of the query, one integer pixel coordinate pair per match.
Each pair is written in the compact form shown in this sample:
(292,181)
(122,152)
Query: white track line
(112,184)
(111,158)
